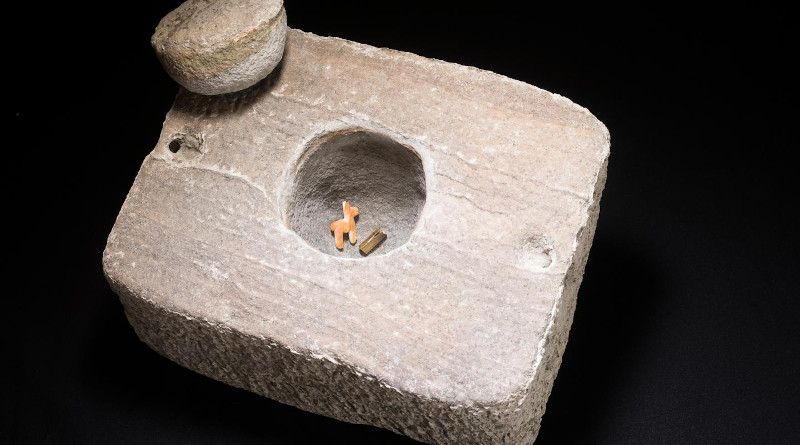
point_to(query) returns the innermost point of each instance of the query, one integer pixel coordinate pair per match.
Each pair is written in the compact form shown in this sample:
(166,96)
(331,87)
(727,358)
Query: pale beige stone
(452,331)
(221,46)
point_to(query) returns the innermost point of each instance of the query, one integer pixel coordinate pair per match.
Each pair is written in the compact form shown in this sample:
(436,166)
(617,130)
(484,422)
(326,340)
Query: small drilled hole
(174,146)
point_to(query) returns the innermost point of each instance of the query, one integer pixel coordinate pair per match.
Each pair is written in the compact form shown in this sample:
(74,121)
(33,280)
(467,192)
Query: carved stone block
(452,330)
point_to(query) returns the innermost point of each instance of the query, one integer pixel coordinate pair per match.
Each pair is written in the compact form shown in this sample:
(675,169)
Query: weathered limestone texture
(450,332)
(221,46)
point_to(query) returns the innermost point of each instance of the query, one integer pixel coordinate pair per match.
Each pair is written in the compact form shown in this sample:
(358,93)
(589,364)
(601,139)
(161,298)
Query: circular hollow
(174,146)
(373,172)
(537,253)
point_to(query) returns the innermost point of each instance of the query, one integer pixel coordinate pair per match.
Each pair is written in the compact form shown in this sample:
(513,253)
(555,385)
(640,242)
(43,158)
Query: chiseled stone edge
(552,346)
(314,384)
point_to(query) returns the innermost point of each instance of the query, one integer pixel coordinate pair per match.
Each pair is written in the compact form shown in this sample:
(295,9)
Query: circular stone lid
(221,46)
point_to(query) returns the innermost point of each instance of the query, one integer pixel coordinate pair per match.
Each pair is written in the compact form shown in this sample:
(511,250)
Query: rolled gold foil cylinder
(372,241)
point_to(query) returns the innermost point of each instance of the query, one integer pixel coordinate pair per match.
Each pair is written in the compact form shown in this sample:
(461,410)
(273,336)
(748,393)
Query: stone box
(452,331)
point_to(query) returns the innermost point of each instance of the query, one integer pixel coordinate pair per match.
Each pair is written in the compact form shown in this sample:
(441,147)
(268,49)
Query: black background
(686,329)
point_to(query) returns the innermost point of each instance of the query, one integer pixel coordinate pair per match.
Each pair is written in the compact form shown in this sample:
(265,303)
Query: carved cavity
(537,253)
(185,146)
(380,176)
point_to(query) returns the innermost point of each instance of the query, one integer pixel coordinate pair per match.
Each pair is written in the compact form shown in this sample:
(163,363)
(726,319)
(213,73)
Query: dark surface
(686,329)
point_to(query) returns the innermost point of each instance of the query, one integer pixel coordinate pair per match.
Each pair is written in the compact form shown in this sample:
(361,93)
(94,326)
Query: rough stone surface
(221,46)
(453,335)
